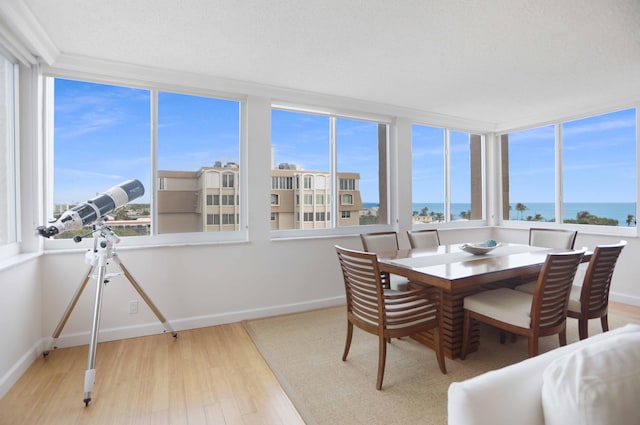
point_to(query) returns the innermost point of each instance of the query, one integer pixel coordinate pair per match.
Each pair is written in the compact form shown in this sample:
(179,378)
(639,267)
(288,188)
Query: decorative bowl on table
(480,248)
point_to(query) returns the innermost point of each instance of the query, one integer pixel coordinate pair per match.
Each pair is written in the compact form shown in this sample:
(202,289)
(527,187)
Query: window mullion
(447,175)
(333,152)
(558,174)
(154,160)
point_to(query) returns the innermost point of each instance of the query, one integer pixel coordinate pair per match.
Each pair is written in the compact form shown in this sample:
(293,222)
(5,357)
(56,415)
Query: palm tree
(520,207)
(631,219)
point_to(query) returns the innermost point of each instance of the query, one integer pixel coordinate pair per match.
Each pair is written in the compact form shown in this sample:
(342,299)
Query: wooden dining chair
(535,315)
(552,238)
(591,300)
(548,238)
(386,313)
(426,238)
(378,242)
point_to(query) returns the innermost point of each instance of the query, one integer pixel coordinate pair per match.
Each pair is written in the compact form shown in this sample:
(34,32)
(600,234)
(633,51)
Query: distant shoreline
(614,210)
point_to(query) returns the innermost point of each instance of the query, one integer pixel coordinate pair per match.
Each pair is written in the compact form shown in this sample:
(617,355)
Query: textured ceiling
(500,61)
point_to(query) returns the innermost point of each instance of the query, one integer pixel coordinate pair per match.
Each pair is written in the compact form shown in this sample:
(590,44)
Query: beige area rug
(304,350)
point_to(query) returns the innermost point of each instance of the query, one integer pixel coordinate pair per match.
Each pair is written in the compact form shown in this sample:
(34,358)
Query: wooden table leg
(452,321)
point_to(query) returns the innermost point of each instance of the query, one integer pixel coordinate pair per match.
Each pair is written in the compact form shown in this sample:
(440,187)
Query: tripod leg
(67,312)
(90,373)
(145,297)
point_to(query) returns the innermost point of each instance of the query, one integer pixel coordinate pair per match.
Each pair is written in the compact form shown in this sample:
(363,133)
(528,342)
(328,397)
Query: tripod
(103,251)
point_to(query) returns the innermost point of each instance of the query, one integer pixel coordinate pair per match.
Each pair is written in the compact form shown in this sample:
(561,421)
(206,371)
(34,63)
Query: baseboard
(154,328)
(11,377)
(624,299)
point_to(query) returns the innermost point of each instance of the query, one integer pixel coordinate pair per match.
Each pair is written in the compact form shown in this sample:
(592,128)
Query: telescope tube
(86,213)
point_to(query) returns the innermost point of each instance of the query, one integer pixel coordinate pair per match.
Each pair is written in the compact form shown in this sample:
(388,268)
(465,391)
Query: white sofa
(594,381)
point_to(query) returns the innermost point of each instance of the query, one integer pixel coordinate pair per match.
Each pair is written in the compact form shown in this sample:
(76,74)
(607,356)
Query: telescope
(86,213)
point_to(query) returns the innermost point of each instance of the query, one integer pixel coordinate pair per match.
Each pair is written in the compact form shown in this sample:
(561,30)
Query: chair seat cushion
(398,283)
(502,304)
(528,288)
(597,384)
(574,299)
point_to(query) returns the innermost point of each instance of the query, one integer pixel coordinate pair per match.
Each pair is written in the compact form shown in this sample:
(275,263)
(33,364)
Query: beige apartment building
(208,200)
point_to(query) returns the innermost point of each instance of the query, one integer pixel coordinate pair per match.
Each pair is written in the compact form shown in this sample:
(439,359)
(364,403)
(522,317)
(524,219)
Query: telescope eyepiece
(47,232)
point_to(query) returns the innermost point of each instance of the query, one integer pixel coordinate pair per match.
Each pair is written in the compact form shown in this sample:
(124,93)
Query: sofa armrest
(511,394)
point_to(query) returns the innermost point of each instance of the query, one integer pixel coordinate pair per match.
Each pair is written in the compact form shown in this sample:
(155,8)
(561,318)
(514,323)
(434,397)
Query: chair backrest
(379,241)
(551,296)
(594,296)
(552,238)
(427,238)
(363,286)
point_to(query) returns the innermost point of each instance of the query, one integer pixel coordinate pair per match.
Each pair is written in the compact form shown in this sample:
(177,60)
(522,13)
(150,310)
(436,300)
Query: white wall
(20,319)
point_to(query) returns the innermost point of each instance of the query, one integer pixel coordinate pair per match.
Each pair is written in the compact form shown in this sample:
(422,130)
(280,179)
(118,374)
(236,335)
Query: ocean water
(615,210)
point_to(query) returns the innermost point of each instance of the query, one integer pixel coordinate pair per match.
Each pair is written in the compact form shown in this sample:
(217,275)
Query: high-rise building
(208,200)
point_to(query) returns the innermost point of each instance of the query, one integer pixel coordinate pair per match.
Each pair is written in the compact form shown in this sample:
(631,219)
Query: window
(308,199)
(8,160)
(228,180)
(274,199)
(228,218)
(100,139)
(346,214)
(446,175)
(308,182)
(599,170)
(302,145)
(596,179)
(529,174)
(197,143)
(347,184)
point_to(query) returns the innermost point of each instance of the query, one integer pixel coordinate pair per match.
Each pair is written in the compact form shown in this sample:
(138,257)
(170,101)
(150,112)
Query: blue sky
(102,138)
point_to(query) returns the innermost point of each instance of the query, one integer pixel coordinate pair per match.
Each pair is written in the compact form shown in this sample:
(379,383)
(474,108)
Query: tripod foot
(45,354)
(86,402)
(175,335)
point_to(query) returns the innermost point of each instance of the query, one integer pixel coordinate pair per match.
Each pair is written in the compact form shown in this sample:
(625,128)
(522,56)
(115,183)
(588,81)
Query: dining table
(459,273)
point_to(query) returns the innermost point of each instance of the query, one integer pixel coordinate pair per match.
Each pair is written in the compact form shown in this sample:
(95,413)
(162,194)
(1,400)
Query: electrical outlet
(133,306)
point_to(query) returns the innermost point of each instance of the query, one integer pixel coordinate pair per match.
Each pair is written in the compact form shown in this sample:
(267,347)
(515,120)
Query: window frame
(627,231)
(154,239)
(13,244)
(332,201)
(484,154)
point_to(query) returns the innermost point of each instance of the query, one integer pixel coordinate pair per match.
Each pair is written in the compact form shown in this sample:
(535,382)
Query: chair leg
(583,328)
(466,326)
(562,337)
(439,350)
(533,346)
(348,343)
(382,358)
(604,321)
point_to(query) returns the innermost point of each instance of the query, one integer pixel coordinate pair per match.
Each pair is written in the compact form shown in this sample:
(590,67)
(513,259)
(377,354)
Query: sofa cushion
(596,384)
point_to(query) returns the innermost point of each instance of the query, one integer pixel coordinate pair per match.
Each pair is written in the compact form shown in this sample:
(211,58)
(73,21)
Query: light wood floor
(212,375)
(207,376)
